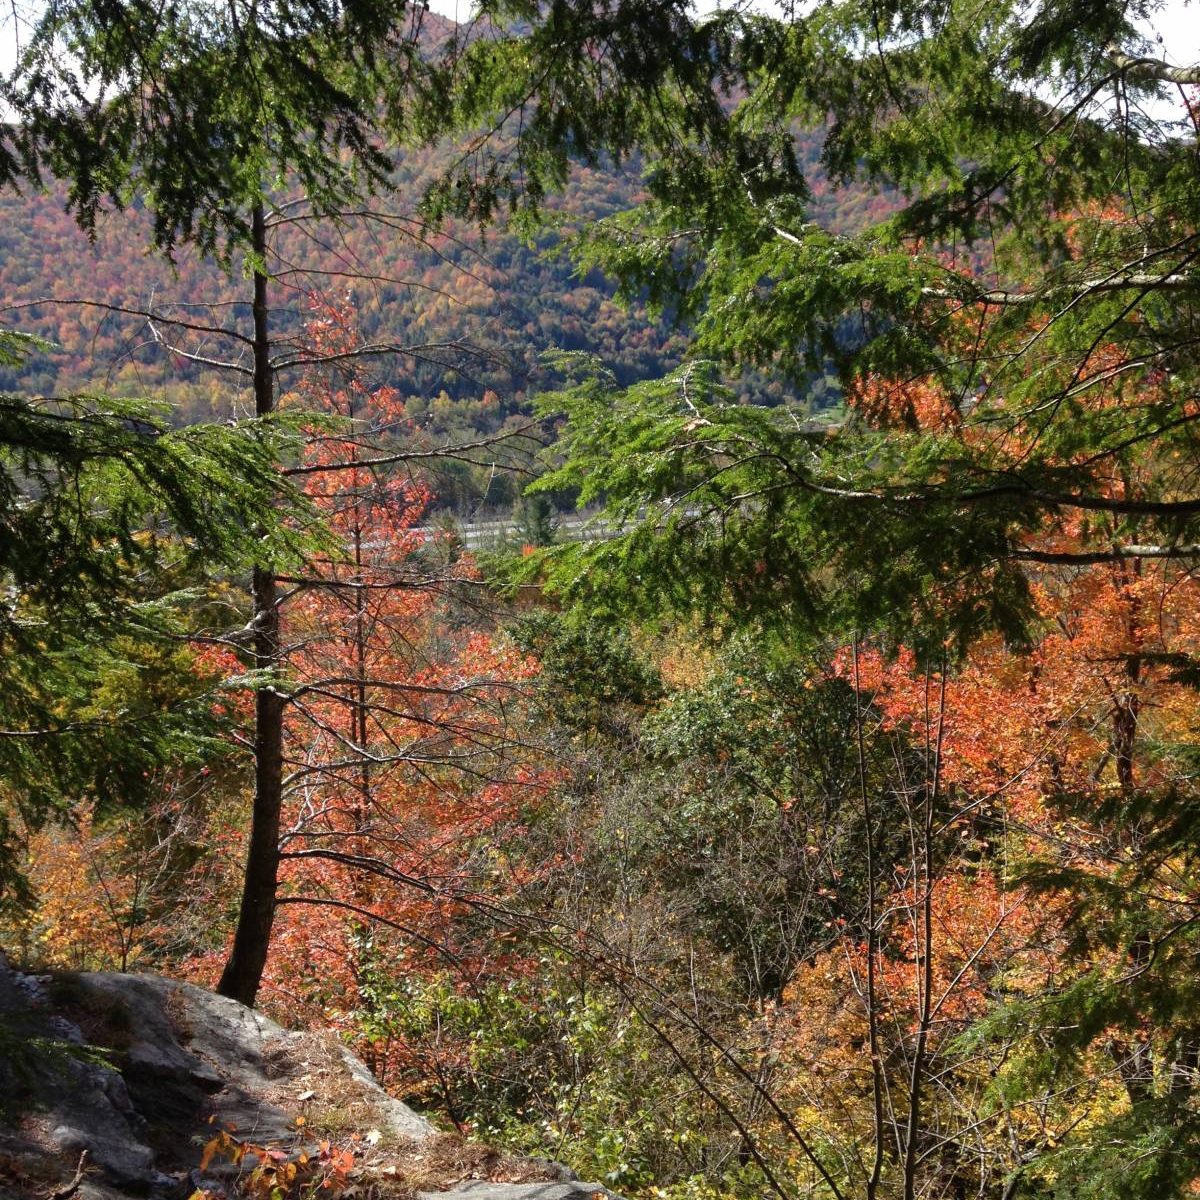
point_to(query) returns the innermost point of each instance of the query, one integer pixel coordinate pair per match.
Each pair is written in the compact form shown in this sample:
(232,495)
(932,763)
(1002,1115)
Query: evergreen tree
(198,111)
(109,519)
(1015,335)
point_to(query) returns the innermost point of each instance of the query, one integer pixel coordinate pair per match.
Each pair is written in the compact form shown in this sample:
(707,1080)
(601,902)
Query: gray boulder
(175,1065)
(111,1085)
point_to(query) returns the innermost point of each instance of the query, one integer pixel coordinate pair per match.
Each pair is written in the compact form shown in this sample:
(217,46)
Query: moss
(30,1061)
(103,1021)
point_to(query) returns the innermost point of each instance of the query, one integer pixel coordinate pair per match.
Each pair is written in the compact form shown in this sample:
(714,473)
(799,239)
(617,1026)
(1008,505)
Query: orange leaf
(210,1149)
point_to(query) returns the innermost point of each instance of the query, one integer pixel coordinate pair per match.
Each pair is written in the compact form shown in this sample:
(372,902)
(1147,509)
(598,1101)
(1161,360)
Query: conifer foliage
(1033,287)
(112,522)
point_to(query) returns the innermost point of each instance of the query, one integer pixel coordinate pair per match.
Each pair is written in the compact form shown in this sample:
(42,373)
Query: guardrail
(495,534)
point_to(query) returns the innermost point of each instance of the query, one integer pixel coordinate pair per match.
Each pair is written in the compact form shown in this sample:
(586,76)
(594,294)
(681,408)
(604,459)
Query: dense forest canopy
(826,825)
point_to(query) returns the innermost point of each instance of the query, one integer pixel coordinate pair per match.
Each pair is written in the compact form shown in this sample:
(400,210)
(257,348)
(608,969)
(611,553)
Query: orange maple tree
(400,757)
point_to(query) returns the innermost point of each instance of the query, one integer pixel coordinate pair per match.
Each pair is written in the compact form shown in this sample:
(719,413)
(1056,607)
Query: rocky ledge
(121,1086)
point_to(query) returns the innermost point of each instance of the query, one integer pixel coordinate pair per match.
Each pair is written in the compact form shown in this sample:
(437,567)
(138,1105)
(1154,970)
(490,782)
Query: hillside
(509,300)
(477,309)
(506,299)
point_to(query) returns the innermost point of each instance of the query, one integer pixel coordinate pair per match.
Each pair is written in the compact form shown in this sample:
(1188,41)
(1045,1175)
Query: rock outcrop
(111,1086)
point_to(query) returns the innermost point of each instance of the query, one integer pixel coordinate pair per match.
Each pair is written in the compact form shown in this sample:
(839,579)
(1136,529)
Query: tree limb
(1113,554)
(1154,68)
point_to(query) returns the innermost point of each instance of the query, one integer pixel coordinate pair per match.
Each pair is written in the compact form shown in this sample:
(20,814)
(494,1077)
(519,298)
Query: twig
(63,1193)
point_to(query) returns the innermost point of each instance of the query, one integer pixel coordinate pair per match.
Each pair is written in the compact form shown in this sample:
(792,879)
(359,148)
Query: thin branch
(124,310)
(72,1186)
(191,356)
(1001,297)
(403,456)
(376,350)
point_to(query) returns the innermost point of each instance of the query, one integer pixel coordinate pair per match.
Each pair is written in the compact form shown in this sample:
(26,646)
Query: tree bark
(244,970)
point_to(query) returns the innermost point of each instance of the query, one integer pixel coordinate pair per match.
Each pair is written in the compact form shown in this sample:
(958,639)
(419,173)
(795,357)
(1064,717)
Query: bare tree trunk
(243,972)
(877,1082)
(360,711)
(922,874)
